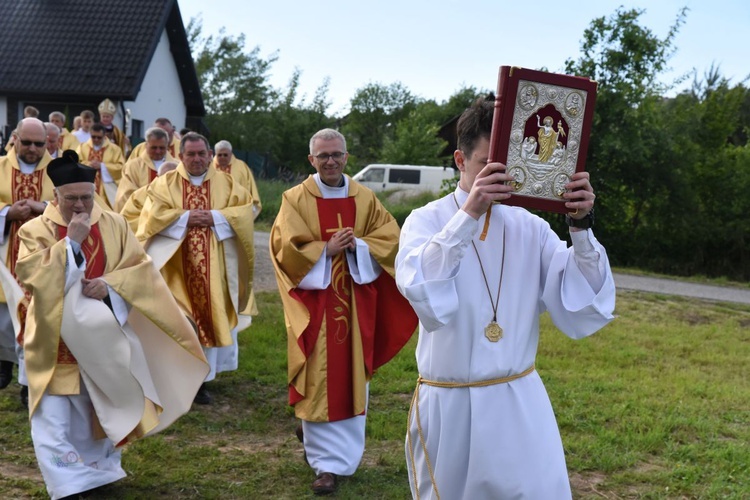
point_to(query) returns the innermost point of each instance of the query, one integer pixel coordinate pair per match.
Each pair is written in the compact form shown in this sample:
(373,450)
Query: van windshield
(373,175)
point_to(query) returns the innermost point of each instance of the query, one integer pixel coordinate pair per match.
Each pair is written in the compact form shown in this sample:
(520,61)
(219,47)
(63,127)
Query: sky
(436,47)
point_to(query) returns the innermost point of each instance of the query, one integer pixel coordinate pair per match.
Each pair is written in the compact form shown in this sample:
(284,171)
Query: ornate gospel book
(540,131)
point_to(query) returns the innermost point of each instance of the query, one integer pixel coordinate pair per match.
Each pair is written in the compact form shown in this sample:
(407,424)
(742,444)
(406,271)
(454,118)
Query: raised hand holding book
(540,131)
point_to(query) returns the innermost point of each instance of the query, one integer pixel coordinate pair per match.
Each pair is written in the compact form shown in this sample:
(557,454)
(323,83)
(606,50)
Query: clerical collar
(197,180)
(460,195)
(26,168)
(157,163)
(54,155)
(332,192)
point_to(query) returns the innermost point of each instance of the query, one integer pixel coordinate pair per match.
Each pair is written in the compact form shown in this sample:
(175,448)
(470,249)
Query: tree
(245,109)
(630,158)
(375,109)
(415,142)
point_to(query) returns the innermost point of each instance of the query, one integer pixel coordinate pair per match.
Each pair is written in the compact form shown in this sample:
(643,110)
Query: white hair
(222,145)
(327,134)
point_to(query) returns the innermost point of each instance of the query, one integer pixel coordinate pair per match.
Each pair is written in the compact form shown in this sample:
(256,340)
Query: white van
(383,177)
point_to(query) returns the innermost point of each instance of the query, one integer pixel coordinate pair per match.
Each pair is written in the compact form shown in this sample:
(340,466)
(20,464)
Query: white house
(69,56)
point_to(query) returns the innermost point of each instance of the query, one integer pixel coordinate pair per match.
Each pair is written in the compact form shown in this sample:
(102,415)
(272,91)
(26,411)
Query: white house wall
(161,94)
(3,113)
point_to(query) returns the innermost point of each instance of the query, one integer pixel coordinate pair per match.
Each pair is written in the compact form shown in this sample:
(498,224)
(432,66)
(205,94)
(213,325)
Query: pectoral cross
(337,229)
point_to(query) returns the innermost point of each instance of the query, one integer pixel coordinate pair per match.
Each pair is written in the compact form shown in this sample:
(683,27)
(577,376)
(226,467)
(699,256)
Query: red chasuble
(92,249)
(331,315)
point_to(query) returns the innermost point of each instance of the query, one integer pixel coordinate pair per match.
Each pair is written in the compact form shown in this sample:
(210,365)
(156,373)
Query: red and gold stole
(98,155)
(330,311)
(92,249)
(23,187)
(196,262)
(226,170)
(152,174)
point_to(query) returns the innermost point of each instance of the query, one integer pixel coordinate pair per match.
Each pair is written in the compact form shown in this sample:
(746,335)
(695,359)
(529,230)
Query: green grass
(653,406)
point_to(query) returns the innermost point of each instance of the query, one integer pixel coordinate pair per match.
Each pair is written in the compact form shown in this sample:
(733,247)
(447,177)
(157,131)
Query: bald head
(30,124)
(165,167)
(31,139)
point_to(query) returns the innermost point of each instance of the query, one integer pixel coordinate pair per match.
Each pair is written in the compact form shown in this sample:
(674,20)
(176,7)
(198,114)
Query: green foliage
(245,109)
(375,109)
(670,174)
(401,209)
(415,142)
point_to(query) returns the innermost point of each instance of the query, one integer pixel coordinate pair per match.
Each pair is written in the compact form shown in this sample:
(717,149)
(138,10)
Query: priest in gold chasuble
(197,224)
(140,170)
(333,246)
(110,358)
(105,156)
(225,161)
(24,189)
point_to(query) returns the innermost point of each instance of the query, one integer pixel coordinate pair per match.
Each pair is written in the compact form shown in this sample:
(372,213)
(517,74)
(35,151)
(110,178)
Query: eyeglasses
(86,198)
(97,136)
(28,143)
(222,154)
(323,157)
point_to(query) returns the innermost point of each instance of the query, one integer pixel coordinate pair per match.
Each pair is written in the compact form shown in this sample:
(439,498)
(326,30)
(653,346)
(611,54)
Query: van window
(403,176)
(373,175)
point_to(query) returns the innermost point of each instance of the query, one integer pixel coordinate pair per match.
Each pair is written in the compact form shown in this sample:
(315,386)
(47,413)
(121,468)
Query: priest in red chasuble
(109,356)
(197,224)
(333,246)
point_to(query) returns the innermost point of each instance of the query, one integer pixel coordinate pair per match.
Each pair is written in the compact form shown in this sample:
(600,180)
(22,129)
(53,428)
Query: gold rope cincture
(414,410)
(492,331)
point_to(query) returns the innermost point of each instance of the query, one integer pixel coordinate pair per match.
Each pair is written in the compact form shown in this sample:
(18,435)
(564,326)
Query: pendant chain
(494,303)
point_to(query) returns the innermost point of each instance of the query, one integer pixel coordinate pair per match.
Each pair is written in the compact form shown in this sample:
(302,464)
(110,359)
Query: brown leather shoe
(324,484)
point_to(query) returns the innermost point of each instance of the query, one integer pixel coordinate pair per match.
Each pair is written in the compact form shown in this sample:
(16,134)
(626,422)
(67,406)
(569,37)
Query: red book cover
(540,131)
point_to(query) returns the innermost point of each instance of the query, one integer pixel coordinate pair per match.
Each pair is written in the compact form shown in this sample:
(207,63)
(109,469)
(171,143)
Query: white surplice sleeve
(427,265)
(319,276)
(362,266)
(579,290)
(221,228)
(3,215)
(177,229)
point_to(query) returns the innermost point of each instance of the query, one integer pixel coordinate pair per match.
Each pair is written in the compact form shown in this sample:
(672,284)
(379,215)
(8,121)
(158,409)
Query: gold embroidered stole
(98,155)
(196,262)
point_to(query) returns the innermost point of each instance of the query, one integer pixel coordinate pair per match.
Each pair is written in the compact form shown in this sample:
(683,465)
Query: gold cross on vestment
(337,229)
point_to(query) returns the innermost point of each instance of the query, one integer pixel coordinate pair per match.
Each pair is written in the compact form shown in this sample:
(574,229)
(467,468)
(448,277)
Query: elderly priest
(109,356)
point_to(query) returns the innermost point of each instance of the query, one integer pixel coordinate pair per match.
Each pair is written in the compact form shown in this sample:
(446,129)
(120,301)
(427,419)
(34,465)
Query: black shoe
(6,373)
(25,396)
(203,397)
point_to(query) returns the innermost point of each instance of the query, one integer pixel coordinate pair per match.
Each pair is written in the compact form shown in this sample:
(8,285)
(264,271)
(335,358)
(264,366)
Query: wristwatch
(587,222)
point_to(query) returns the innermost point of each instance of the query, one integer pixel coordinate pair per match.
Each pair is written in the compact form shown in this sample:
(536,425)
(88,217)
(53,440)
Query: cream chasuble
(209,278)
(141,376)
(111,155)
(138,171)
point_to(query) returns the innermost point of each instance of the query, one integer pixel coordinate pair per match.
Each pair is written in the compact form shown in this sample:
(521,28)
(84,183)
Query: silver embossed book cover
(540,130)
